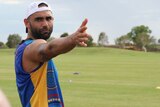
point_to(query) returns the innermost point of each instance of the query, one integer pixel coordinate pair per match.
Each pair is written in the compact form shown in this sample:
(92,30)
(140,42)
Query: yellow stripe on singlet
(39,97)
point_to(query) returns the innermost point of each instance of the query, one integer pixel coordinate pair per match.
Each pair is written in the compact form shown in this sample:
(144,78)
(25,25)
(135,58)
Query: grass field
(107,78)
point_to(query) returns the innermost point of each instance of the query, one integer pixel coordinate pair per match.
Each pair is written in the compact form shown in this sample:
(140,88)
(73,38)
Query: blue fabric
(23,78)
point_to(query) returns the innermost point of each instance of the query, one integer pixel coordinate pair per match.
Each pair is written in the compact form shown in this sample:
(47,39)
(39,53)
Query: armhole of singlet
(37,67)
(29,41)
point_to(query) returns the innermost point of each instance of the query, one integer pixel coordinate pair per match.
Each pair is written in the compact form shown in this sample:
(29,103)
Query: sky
(114,17)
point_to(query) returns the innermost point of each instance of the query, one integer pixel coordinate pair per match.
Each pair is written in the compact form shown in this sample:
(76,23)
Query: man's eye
(49,18)
(38,19)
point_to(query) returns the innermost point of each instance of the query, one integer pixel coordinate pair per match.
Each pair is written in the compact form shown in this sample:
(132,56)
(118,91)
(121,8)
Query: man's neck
(30,37)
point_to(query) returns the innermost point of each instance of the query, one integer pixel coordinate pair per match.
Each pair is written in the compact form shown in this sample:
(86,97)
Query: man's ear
(26,22)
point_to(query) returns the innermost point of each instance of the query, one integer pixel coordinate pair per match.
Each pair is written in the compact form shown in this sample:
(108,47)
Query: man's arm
(63,45)
(41,51)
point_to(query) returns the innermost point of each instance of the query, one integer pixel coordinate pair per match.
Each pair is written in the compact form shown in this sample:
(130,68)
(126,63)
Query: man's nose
(45,23)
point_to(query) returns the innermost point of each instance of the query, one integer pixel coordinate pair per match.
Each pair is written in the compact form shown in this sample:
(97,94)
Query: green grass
(108,78)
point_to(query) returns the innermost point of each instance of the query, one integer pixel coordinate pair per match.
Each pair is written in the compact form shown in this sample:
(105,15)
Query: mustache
(46,29)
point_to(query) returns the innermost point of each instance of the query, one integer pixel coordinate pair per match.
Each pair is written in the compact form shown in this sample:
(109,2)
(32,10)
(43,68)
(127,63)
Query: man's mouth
(44,31)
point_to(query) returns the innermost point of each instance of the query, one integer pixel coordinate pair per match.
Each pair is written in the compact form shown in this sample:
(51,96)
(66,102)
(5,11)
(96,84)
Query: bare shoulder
(37,42)
(31,58)
(34,45)
(31,51)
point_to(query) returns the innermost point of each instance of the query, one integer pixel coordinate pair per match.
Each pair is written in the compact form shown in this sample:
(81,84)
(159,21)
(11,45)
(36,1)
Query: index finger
(84,23)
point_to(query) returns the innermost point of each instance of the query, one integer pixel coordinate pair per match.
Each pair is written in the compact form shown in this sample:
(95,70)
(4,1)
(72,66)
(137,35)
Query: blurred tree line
(139,38)
(14,39)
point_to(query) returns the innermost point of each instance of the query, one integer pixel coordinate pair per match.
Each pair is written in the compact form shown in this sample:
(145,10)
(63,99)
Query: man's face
(41,25)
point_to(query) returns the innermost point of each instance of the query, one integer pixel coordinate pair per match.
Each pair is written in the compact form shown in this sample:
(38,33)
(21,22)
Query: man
(36,75)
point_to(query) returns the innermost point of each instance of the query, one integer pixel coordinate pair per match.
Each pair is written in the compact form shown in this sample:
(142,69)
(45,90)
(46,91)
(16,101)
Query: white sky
(114,17)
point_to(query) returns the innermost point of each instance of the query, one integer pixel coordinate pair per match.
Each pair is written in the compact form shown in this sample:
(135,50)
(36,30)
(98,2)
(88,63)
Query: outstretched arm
(63,45)
(41,51)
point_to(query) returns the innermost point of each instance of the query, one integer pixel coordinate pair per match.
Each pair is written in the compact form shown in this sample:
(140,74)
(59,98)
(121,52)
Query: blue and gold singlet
(39,88)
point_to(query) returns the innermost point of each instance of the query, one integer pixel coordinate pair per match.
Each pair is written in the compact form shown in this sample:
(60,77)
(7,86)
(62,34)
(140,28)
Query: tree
(13,40)
(159,41)
(140,36)
(90,42)
(103,39)
(1,45)
(123,41)
(135,31)
(64,34)
(143,40)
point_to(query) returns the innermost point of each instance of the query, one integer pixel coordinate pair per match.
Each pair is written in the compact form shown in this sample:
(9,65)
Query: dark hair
(42,5)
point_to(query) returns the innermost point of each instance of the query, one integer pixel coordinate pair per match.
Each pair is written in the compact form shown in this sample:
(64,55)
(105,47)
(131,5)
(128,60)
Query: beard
(43,33)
